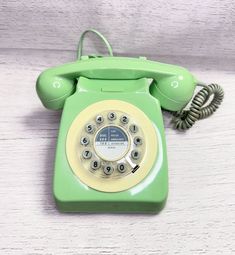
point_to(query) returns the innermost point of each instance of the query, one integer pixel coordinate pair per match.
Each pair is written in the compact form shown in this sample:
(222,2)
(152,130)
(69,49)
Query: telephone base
(135,119)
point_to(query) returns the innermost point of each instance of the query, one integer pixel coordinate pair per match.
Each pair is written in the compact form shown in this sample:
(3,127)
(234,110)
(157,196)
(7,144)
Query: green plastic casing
(77,85)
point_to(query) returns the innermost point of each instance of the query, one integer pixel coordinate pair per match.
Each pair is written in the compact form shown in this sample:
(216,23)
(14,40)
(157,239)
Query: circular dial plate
(111,142)
(117,143)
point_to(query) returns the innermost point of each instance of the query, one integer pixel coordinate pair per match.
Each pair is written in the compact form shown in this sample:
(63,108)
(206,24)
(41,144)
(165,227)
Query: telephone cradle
(111,150)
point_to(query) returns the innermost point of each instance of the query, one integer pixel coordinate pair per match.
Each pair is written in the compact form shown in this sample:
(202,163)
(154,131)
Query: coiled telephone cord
(185,119)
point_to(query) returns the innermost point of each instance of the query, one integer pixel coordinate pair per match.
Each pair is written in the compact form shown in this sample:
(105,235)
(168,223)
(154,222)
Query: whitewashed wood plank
(200,28)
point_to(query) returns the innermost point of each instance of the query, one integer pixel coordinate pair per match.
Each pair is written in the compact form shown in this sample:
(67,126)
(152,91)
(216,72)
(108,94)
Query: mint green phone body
(76,86)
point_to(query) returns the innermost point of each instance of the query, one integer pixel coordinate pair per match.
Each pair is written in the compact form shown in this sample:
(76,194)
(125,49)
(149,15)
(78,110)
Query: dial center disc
(111,143)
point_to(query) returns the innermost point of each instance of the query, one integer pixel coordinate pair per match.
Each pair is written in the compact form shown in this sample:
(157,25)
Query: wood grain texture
(200,28)
(199,215)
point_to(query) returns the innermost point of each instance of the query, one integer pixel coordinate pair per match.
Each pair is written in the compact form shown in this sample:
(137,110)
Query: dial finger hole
(108,170)
(90,128)
(133,128)
(95,164)
(87,154)
(135,154)
(112,116)
(124,119)
(99,119)
(85,140)
(138,141)
(121,167)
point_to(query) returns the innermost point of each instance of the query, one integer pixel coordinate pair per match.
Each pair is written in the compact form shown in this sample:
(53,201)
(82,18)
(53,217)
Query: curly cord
(185,119)
(80,44)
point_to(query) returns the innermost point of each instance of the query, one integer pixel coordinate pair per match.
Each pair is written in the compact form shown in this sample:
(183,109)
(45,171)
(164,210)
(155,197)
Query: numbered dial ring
(111,144)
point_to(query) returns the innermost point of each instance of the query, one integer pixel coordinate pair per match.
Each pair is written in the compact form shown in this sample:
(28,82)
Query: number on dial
(95,164)
(87,154)
(108,170)
(124,119)
(133,128)
(121,167)
(99,119)
(85,140)
(90,128)
(111,115)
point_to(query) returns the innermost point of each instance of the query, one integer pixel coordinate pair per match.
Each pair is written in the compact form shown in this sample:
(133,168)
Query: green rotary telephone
(111,150)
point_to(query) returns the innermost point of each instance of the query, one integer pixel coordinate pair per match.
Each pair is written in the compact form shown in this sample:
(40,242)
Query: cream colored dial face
(111,146)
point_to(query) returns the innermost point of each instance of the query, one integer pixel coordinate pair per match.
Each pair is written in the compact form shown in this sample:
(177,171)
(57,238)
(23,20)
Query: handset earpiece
(53,90)
(56,84)
(173,91)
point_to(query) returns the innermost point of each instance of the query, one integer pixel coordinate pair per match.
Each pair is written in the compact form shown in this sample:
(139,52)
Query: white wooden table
(199,217)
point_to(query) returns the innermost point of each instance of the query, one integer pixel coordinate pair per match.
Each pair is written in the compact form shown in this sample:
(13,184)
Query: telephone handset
(173,86)
(111,152)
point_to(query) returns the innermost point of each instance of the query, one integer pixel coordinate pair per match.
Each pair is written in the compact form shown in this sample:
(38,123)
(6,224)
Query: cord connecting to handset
(185,119)
(80,44)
